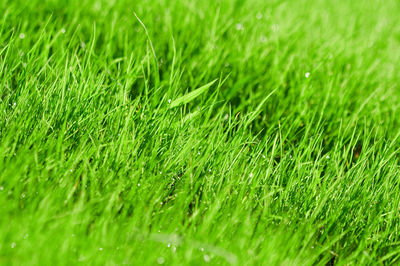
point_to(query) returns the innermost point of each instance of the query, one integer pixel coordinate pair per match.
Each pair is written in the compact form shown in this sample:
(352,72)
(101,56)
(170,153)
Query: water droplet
(263,39)
(22,36)
(307,75)
(275,27)
(206,258)
(63,30)
(13,244)
(160,260)
(239,26)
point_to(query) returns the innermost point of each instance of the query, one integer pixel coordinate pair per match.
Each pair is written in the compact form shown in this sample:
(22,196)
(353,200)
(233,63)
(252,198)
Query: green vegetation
(194,132)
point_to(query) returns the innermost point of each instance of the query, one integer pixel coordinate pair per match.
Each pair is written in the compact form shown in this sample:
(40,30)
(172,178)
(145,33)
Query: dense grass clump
(194,132)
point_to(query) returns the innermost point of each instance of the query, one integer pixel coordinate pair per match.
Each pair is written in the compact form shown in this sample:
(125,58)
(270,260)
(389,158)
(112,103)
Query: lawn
(221,132)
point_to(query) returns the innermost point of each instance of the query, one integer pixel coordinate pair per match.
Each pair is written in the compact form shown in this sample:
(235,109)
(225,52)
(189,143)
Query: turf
(194,132)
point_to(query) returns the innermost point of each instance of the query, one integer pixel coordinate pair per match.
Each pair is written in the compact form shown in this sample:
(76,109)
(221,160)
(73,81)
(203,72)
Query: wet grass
(179,132)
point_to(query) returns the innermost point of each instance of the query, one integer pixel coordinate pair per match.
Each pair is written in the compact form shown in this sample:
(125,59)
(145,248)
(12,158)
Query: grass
(195,132)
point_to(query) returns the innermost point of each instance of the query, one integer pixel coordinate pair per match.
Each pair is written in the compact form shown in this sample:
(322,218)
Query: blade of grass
(191,95)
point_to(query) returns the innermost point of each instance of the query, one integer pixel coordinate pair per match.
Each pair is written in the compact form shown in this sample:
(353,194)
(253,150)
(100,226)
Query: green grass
(194,132)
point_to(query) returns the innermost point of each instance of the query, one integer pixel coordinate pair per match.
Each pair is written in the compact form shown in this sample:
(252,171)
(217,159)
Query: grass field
(224,132)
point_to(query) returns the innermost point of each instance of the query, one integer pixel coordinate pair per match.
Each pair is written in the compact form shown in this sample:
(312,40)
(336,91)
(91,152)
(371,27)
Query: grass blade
(191,95)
